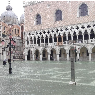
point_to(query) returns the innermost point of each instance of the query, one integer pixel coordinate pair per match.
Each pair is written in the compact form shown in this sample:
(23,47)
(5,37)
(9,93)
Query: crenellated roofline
(25,4)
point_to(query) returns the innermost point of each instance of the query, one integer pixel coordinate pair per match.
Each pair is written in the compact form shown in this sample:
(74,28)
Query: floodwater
(47,78)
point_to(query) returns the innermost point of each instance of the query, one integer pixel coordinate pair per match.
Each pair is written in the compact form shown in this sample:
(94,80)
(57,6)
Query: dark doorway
(28,56)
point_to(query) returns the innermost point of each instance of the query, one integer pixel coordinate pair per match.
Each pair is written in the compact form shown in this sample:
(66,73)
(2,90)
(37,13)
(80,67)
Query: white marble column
(77,56)
(33,57)
(44,41)
(89,56)
(25,57)
(89,37)
(36,41)
(83,38)
(72,37)
(48,40)
(57,57)
(40,41)
(67,56)
(52,40)
(48,57)
(67,52)
(66,38)
(77,38)
(40,57)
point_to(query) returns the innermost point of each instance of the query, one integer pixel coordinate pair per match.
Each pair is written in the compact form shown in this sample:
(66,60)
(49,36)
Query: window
(38,19)
(15,31)
(83,10)
(18,31)
(58,15)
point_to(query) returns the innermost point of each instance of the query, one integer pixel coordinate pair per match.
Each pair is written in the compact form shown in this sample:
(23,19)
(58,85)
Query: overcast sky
(17,6)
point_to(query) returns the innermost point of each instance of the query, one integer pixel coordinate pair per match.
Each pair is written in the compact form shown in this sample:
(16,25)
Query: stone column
(40,56)
(72,37)
(25,57)
(40,41)
(36,40)
(33,57)
(78,56)
(52,40)
(89,56)
(48,56)
(48,40)
(57,57)
(57,40)
(89,37)
(67,52)
(89,51)
(44,41)
(77,38)
(83,38)
(33,40)
(66,38)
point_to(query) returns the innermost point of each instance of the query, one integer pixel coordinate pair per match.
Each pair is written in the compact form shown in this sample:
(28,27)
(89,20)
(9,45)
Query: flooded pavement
(47,78)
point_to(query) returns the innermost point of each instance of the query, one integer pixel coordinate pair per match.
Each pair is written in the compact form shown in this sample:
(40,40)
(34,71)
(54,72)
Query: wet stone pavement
(47,78)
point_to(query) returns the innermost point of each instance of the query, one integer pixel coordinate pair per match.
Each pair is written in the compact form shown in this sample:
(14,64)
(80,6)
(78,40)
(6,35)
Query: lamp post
(10,69)
(74,51)
(75,54)
(11,45)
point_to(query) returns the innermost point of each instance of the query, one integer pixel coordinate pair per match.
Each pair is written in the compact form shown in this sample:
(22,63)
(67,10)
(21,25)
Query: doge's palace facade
(54,29)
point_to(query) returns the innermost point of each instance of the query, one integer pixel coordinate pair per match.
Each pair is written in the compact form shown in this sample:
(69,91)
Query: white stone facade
(59,41)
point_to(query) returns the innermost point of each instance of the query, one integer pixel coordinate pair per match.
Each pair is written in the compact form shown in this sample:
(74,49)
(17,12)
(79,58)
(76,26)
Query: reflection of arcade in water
(28,56)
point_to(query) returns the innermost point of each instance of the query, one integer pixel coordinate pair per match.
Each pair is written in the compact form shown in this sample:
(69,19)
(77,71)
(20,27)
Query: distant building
(9,25)
(54,29)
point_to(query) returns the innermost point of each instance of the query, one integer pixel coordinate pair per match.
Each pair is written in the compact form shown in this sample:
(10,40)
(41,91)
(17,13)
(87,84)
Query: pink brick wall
(69,14)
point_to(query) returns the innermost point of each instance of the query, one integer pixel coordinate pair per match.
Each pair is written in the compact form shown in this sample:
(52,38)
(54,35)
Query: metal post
(72,72)
(75,54)
(10,69)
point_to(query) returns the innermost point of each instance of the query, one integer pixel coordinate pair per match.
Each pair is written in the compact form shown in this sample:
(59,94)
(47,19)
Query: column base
(71,82)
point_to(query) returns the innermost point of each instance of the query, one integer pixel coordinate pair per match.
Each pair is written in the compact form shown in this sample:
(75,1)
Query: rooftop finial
(8,8)
(8,2)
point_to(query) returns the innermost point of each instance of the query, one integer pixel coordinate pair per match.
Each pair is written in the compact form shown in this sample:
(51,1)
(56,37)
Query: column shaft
(57,57)
(40,57)
(48,57)
(67,56)
(89,56)
(25,57)
(78,56)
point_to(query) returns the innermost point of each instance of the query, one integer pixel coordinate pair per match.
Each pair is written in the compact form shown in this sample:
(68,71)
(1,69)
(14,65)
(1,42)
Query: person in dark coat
(4,62)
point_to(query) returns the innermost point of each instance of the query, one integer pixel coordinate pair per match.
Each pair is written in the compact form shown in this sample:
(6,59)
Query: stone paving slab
(47,78)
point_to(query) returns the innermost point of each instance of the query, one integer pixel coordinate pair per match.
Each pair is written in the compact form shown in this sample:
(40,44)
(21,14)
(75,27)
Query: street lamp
(11,45)
(74,51)
(75,54)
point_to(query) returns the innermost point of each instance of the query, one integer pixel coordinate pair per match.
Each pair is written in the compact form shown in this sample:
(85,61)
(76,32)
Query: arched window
(58,15)
(38,19)
(83,10)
